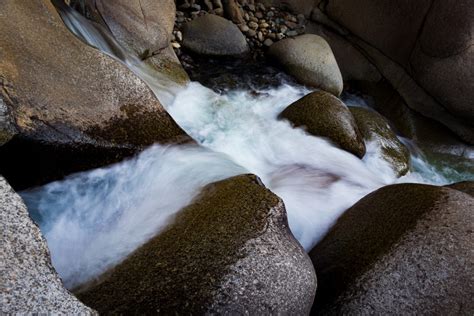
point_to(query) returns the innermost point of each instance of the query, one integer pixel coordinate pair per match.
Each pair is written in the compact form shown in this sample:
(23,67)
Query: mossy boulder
(72,107)
(403,249)
(310,60)
(229,252)
(464,186)
(322,114)
(375,128)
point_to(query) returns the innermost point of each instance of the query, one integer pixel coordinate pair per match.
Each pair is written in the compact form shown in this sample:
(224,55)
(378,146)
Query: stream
(93,220)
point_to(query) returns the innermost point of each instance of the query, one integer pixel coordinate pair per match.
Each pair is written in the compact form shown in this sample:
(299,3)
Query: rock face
(73,107)
(352,62)
(465,186)
(29,282)
(145,27)
(443,59)
(375,128)
(310,60)
(403,249)
(322,114)
(215,36)
(228,252)
(423,48)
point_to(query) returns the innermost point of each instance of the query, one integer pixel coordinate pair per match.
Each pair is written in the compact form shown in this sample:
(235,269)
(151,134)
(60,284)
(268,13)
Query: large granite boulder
(144,27)
(374,128)
(29,284)
(322,114)
(390,26)
(443,59)
(72,107)
(423,48)
(310,60)
(229,252)
(214,36)
(403,249)
(464,186)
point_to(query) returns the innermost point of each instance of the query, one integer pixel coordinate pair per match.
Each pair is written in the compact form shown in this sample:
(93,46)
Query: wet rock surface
(30,285)
(62,94)
(375,128)
(322,114)
(404,249)
(310,60)
(229,251)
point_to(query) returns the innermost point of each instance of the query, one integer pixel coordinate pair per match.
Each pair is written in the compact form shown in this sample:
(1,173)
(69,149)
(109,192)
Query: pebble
(244,28)
(176,45)
(268,42)
(251,33)
(291,25)
(264,25)
(179,36)
(291,33)
(253,25)
(260,36)
(259,15)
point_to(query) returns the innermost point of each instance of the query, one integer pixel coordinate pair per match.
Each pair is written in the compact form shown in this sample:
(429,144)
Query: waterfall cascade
(94,219)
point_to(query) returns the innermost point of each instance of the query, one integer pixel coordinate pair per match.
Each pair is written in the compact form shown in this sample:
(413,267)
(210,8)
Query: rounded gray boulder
(310,60)
(214,36)
(403,249)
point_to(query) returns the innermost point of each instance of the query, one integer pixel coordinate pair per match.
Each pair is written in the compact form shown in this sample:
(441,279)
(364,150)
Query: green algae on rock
(322,114)
(229,251)
(403,249)
(375,128)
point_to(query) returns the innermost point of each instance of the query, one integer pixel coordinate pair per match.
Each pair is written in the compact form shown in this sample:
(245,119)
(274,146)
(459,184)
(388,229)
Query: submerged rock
(229,252)
(310,60)
(72,106)
(322,114)
(30,285)
(403,249)
(215,36)
(375,128)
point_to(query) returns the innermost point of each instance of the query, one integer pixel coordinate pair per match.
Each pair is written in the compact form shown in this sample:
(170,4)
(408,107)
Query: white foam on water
(94,219)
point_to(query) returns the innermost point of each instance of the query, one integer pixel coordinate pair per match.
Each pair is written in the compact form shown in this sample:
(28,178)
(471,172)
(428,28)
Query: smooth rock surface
(310,60)
(322,114)
(443,61)
(73,107)
(229,252)
(29,283)
(353,64)
(403,249)
(465,186)
(215,36)
(390,26)
(374,128)
(144,27)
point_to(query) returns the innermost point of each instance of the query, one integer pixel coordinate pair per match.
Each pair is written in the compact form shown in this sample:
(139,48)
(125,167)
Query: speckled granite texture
(29,283)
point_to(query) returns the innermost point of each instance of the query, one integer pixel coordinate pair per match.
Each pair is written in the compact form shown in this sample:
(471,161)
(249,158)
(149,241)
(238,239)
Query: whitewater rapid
(92,220)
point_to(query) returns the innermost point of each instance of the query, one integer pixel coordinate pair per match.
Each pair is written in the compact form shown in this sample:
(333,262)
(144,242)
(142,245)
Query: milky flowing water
(92,220)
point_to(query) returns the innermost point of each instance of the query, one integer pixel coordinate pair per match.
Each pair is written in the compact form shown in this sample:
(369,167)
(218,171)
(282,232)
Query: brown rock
(73,107)
(229,252)
(403,249)
(322,114)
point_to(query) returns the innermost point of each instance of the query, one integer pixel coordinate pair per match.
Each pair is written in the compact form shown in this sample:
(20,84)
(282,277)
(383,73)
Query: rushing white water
(92,220)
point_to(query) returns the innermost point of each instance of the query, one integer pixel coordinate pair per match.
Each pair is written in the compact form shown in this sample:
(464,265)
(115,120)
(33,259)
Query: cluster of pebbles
(261,26)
